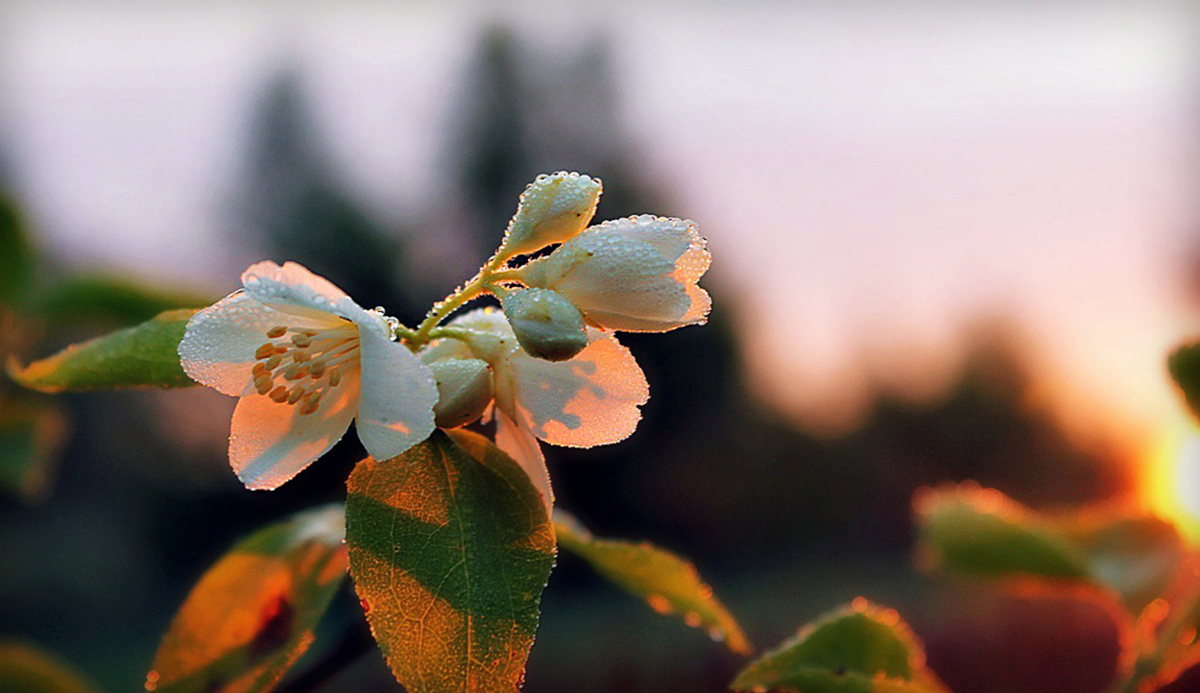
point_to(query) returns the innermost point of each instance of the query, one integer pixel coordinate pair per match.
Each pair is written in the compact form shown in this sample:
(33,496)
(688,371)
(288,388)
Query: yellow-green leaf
(981,532)
(668,583)
(855,649)
(31,435)
(25,669)
(450,549)
(253,613)
(145,355)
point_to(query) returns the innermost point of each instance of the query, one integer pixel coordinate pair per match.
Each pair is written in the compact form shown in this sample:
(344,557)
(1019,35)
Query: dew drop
(659,603)
(716,634)
(366,605)
(693,619)
(152,680)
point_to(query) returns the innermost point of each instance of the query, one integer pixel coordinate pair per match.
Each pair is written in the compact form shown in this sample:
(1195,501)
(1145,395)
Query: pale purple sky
(894,172)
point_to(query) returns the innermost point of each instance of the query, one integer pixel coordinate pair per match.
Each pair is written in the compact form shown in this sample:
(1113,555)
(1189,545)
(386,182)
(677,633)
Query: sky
(873,180)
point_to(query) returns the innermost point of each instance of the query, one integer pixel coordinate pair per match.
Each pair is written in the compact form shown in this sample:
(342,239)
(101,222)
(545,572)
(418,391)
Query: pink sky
(895,173)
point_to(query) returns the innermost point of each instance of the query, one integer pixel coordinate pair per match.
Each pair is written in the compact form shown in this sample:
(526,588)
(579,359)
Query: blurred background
(951,241)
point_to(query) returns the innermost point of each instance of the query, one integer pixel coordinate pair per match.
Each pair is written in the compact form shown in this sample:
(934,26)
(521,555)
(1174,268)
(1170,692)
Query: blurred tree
(710,471)
(292,199)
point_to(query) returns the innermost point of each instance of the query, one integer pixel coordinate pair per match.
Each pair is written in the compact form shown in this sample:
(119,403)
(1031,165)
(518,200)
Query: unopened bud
(464,391)
(546,324)
(552,209)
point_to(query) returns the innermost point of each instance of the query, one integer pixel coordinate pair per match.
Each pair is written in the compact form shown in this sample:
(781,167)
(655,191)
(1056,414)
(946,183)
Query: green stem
(467,292)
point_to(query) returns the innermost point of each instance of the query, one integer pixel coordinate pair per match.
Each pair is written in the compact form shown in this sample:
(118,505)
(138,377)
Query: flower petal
(293,289)
(270,442)
(592,399)
(395,411)
(637,274)
(218,346)
(521,445)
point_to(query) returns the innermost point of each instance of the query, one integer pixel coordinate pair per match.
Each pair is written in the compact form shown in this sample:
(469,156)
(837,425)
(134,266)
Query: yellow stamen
(277,331)
(279,394)
(264,351)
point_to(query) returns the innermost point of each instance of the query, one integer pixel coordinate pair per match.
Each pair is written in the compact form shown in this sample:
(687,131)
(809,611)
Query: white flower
(591,399)
(636,274)
(305,360)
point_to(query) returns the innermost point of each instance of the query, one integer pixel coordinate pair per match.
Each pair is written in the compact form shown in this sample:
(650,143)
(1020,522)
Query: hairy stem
(476,287)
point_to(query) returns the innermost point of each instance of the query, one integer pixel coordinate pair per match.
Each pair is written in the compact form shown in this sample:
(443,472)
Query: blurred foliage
(108,299)
(25,669)
(981,532)
(1184,366)
(668,583)
(450,549)
(31,435)
(253,613)
(16,252)
(855,649)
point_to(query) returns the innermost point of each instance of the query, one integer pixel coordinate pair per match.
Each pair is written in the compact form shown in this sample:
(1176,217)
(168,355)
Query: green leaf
(16,252)
(981,532)
(146,355)
(450,549)
(668,583)
(253,613)
(109,298)
(25,669)
(31,435)
(1184,366)
(854,649)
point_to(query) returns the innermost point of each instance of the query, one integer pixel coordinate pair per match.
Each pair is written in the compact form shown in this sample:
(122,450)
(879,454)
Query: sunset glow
(1171,486)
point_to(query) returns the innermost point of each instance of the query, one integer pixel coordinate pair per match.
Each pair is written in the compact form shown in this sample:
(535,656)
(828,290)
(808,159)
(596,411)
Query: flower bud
(546,324)
(464,391)
(636,275)
(552,209)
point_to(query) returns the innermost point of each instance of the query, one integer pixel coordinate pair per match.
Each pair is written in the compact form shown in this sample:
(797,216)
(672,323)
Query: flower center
(308,362)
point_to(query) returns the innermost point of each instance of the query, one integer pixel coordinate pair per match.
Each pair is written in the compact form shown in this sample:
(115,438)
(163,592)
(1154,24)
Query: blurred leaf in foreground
(109,298)
(855,649)
(450,549)
(967,529)
(668,583)
(31,435)
(1184,366)
(982,532)
(24,669)
(253,613)
(145,355)
(16,252)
